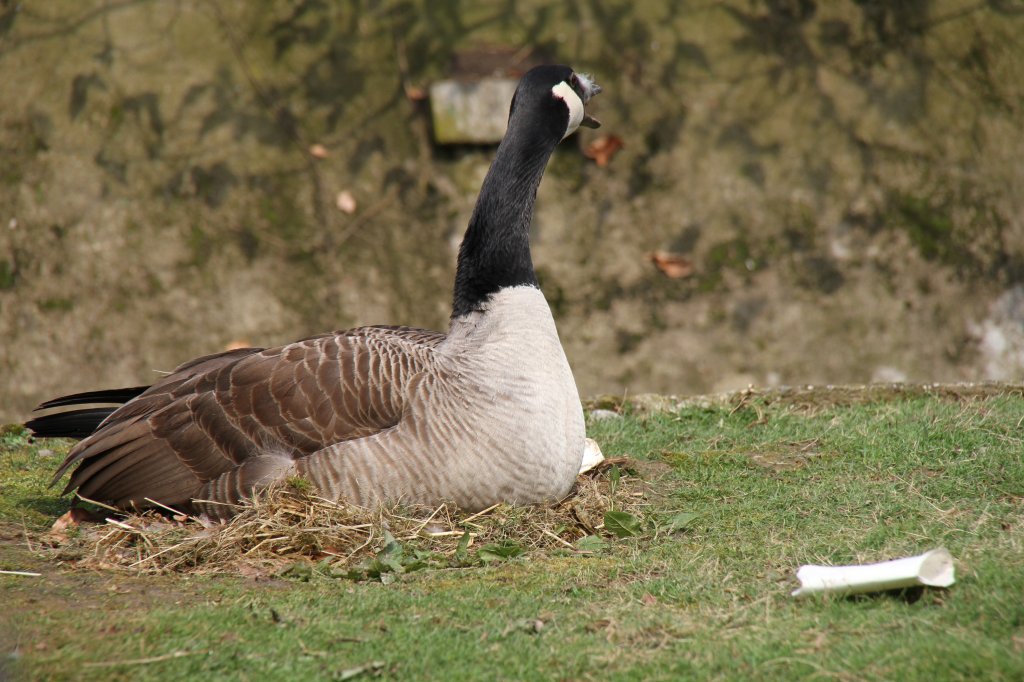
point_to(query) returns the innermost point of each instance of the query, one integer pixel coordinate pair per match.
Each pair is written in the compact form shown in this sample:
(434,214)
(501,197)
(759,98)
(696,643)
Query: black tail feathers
(82,422)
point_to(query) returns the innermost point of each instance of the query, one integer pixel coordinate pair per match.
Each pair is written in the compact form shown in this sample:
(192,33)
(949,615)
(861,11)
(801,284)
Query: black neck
(495,252)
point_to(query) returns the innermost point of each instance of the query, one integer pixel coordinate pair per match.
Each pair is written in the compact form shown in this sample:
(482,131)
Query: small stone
(604,415)
(45,452)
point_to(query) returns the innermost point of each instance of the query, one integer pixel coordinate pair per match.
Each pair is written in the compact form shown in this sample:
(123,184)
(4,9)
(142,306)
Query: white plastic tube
(934,569)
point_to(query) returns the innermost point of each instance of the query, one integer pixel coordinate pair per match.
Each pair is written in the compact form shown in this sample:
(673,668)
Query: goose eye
(574,81)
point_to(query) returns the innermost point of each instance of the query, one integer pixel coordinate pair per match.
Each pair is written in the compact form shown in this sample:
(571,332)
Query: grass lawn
(774,483)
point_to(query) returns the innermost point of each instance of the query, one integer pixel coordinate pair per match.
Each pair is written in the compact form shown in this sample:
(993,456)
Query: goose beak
(587,88)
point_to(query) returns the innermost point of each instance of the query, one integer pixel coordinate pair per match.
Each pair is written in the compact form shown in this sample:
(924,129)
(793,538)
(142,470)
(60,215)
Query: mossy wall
(845,176)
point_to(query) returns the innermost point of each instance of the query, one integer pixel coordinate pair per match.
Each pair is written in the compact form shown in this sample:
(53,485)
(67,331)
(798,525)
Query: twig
(170,509)
(259,544)
(481,513)
(153,556)
(100,504)
(332,503)
(427,520)
(144,661)
(550,534)
(27,574)
(311,652)
(123,526)
(445,533)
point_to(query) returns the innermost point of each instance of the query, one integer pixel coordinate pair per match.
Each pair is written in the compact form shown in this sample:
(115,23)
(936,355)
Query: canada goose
(488,412)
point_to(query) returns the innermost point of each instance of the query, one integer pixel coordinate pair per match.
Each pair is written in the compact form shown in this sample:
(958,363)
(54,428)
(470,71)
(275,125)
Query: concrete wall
(844,177)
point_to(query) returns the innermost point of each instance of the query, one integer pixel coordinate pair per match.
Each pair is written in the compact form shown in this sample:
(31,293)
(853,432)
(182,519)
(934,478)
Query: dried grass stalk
(282,525)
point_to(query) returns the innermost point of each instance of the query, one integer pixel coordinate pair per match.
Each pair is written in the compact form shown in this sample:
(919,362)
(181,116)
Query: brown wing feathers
(223,424)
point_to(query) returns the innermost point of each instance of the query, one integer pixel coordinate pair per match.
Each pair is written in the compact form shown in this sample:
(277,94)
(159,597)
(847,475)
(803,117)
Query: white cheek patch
(565,93)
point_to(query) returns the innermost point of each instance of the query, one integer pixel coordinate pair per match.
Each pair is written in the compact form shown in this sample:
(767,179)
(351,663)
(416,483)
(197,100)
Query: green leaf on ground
(622,524)
(500,551)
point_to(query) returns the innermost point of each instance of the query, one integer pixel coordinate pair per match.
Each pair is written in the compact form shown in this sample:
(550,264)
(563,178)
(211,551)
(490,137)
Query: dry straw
(284,525)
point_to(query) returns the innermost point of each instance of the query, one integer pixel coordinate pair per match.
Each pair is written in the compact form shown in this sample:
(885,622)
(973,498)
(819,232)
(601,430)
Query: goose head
(551,101)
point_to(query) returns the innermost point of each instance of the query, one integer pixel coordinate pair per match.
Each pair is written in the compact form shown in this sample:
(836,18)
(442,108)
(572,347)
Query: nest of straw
(285,527)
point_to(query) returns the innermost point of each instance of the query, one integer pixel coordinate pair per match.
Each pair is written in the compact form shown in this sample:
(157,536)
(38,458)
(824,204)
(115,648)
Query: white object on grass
(933,568)
(591,455)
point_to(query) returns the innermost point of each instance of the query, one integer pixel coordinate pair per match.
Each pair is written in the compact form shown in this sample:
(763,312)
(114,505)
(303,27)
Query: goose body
(487,413)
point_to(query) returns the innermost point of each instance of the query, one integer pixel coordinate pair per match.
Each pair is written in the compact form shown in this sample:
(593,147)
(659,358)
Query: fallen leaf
(599,624)
(621,524)
(680,521)
(73,518)
(345,202)
(671,264)
(649,599)
(318,151)
(415,93)
(590,544)
(603,149)
(60,531)
(500,551)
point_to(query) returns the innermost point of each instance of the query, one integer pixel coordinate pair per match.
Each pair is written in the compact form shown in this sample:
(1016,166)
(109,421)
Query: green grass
(773,487)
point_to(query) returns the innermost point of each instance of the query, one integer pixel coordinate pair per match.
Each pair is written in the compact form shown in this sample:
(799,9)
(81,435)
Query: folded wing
(232,415)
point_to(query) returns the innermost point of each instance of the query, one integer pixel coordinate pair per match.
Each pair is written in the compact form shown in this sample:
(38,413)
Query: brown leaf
(672,264)
(73,518)
(318,151)
(649,599)
(415,93)
(603,149)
